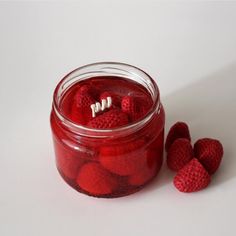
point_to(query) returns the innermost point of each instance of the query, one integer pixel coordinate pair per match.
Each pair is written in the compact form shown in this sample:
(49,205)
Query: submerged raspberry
(124,159)
(68,162)
(95,180)
(81,111)
(135,107)
(89,89)
(110,119)
(149,170)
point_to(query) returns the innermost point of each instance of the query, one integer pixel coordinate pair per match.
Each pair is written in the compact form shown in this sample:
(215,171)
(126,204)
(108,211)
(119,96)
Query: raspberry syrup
(117,87)
(115,162)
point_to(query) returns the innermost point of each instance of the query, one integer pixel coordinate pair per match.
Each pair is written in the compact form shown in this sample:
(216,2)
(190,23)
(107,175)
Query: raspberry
(149,170)
(83,97)
(110,119)
(89,89)
(81,112)
(68,163)
(179,154)
(135,107)
(123,159)
(178,130)
(192,177)
(85,89)
(95,180)
(209,152)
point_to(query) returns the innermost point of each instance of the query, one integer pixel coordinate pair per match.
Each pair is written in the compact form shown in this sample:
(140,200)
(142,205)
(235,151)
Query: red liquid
(115,86)
(113,166)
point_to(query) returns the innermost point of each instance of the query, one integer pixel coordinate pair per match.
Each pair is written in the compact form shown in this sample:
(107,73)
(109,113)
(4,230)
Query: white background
(190,50)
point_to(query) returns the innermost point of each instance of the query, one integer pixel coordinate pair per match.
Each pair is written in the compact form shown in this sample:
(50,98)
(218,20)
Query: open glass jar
(111,162)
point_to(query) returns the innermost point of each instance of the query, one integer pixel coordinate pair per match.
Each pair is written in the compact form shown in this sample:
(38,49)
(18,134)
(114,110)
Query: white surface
(189,48)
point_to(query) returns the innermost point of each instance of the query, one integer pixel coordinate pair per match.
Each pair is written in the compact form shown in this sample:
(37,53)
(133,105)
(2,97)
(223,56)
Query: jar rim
(86,131)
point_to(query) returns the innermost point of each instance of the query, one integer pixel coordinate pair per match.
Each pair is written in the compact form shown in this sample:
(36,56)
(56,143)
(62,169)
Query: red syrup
(120,162)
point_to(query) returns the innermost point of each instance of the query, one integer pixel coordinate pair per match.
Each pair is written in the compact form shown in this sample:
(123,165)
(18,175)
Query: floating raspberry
(192,177)
(178,130)
(115,98)
(84,96)
(179,154)
(135,107)
(209,152)
(69,165)
(81,111)
(149,170)
(85,89)
(89,89)
(124,159)
(67,161)
(95,180)
(110,119)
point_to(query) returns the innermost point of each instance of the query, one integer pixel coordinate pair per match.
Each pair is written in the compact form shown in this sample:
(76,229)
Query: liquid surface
(76,108)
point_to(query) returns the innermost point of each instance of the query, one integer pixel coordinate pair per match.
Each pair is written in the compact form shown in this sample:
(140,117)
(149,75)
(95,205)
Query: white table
(189,48)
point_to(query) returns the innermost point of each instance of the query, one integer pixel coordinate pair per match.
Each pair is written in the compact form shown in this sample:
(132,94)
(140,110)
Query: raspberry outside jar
(108,162)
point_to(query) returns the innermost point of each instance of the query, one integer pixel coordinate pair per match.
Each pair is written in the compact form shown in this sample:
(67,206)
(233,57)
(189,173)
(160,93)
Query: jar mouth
(117,69)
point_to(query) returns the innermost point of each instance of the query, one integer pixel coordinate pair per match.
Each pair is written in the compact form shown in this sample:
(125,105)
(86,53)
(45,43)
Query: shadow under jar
(110,162)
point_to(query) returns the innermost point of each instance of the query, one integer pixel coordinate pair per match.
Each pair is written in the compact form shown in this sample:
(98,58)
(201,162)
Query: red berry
(179,154)
(135,107)
(67,161)
(209,152)
(81,112)
(149,170)
(178,130)
(85,89)
(192,177)
(95,180)
(69,165)
(83,98)
(110,119)
(123,159)
(89,89)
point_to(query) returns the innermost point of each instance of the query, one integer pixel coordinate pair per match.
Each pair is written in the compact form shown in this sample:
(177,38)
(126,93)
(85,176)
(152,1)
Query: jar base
(116,194)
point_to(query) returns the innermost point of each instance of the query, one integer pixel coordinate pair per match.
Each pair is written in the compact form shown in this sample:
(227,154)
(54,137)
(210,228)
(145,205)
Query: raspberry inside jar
(104,146)
(129,100)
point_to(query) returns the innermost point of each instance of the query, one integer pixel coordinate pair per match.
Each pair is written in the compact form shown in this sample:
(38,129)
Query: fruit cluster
(113,168)
(194,165)
(123,110)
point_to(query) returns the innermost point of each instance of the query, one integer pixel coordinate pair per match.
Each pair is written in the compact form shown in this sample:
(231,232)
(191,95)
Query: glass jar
(108,162)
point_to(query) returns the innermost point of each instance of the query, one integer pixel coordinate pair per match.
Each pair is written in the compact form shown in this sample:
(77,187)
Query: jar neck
(105,69)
